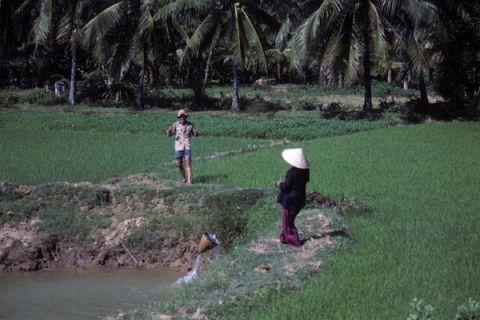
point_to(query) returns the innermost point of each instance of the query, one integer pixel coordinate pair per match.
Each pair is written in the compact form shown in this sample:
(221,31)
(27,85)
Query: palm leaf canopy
(335,33)
(219,20)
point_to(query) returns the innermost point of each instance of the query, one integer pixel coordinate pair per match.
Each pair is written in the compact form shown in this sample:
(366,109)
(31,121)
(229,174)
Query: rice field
(421,182)
(421,241)
(38,156)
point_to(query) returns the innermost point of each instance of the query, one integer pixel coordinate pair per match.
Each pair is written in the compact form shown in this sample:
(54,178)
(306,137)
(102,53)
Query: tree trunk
(340,81)
(430,75)
(1,69)
(279,72)
(235,108)
(405,79)
(73,76)
(321,75)
(255,71)
(139,103)
(389,74)
(197,83)
(423,90)
(367,104)
(405,83)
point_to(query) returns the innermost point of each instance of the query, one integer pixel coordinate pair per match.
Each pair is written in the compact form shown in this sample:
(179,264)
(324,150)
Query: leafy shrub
(468,311)
(10,98)
(420,311)
(43,98)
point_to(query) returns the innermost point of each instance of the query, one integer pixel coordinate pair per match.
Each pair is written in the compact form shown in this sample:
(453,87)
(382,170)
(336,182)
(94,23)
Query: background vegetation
(124,52)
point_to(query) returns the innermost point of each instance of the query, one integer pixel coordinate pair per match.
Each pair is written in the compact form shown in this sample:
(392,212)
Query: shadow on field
(335,233)
(211,178)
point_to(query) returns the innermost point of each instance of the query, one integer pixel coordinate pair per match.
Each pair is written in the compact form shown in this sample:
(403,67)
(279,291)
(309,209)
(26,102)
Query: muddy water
(80,294)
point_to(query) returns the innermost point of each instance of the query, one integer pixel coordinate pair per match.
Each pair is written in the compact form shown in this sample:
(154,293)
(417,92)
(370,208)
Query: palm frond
(22,7)
(283,33)
(298,48)
(65,29)
(254,43)
(43,23)
(203,35)
(178,8)
(238,50)
(415,55)
(181,32)
(145,25)
(101,23)
(348,48)
(376,28)
(210,52)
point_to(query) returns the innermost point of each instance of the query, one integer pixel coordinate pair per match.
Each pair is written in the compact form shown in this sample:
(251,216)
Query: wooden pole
(131,255)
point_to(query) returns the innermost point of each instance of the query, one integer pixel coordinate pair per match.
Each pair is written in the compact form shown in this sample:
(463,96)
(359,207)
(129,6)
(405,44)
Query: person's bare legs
(181,169)
(189,169)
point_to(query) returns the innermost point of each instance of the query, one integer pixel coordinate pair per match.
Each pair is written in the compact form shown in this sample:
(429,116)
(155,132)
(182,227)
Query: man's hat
(295,157)
(182,113)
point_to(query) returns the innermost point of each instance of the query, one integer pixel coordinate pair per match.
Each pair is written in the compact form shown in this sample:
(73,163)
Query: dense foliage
(118,48)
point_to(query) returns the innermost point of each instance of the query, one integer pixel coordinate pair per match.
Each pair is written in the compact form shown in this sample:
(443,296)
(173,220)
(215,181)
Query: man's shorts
(180,154)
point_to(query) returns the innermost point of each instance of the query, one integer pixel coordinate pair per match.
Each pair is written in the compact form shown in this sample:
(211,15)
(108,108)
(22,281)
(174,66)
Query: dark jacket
(292,190)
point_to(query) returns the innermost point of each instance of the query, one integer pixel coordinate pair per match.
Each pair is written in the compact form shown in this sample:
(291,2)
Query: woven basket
(205,243)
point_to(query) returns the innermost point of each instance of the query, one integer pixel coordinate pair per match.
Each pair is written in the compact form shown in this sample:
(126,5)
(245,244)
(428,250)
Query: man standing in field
(183,130)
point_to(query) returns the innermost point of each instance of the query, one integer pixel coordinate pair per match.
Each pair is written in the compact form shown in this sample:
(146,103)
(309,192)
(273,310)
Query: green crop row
(39,156)
(293,129)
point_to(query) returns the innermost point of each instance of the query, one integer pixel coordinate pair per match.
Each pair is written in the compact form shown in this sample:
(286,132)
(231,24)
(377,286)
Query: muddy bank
(66,225)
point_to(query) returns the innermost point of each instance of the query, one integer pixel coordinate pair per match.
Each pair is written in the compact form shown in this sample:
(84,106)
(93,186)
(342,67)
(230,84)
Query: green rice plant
(293,129)
(38,156)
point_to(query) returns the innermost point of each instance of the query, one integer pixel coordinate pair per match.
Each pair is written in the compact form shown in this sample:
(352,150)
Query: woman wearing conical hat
(292,194)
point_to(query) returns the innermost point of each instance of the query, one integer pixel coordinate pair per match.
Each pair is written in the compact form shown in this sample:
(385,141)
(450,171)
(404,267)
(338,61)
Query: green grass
(294,129)
(422,239)
(38,156)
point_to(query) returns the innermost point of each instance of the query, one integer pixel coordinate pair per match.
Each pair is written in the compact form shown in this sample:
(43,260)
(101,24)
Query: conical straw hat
(296,158)
(205,244)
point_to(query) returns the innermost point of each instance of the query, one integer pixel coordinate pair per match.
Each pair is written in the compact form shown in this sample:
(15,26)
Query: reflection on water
(80,294)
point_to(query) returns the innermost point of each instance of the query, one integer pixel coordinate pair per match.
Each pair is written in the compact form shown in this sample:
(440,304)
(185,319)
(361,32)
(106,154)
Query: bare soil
(23,248)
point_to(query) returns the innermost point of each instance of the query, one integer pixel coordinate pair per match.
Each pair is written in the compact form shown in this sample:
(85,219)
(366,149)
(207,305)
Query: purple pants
(289,233)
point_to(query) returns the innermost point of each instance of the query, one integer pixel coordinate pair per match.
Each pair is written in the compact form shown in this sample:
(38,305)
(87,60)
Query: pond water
(79,294)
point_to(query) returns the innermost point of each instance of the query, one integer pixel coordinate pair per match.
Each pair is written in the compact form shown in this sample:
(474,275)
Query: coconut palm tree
(14,29)
(6,28)
(228,20)
(345,34)
(124,35)
(65,19)
(458,78)
(418,26)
